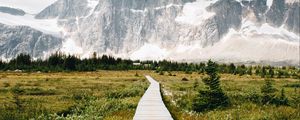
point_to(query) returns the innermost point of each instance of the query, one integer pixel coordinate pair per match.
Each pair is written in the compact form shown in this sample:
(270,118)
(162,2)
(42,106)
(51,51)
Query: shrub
(254,97)
(184,79)
(6,84)
(130,92)
(295,85)
(39,91)
(136,74)
(161,73)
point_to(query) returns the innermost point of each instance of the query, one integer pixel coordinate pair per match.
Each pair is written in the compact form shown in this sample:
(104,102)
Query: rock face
(65,9)
(118,26)
(22,39)
(123,27)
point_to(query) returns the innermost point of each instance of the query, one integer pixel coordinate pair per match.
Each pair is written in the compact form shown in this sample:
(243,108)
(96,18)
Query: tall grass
(62,96)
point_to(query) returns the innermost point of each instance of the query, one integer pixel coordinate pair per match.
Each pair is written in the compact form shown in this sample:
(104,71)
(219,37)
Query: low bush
(6,84)
(39,91)
(130,92)
(184,79)
(294,85)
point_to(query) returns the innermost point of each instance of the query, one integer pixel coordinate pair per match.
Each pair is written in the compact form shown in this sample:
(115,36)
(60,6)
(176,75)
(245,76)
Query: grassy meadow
(113,95)
(108,95)
(180,89)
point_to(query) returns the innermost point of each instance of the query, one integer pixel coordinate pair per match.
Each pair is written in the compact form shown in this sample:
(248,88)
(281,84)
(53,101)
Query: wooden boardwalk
(151,105)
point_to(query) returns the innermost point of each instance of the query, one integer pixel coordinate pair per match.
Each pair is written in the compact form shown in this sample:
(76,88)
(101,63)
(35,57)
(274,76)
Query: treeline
(263,71)
(61,62)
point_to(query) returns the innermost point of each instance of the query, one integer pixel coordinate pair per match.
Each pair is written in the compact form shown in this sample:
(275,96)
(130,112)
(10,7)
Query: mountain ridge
(175,29)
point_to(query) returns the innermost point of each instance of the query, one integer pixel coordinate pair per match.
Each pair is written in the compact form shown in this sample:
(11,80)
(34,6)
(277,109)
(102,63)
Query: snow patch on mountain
(70,47)
(29,6)
(48,26)
(249,28)
(195,13)
(291,1)
(150,52)
(92,4)
(254,43)
(269,3)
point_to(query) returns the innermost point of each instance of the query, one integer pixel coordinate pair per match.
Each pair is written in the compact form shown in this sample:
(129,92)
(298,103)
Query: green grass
(113,95)
(243,91)
(74,95)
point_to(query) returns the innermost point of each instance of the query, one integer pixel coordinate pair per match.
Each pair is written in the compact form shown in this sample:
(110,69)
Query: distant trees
(213,96)
(55,60)
(61,62)
(22,61)
(1,65)
(70,62)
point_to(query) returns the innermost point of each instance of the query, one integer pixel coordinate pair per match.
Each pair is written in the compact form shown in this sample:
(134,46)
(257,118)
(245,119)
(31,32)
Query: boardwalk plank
(151,105)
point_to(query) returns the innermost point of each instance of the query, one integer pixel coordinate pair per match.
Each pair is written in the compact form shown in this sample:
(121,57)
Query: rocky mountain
(15,40)
(263,31)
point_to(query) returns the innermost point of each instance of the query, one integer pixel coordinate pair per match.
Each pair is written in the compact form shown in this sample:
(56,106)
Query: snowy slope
(29,6)
(253,43)
(48,26)
(195,13)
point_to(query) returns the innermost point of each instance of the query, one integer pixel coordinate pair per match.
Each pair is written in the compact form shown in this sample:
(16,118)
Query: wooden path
(151,105)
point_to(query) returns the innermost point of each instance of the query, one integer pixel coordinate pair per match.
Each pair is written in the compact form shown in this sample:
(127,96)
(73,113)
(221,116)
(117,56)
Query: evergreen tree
(257,71)
(241,70)
(263,72)
(213,96)
(1,65)
(232,68)
(70,63)
(268,92)
(21,61)
(55,60)
(282,100)
(202,67)
(249,71)
(271,72)
(279,74)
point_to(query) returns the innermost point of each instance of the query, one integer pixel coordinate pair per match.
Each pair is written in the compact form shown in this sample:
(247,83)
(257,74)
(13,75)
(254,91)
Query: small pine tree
(257,71)
(232,68)
(1,65)
(249,71)
(136,74)
(282,100)
(263,72)
(268,92)
(213,97)
(271,73)
(280,74)
(70,63)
